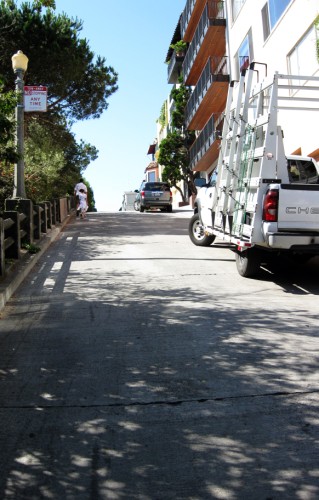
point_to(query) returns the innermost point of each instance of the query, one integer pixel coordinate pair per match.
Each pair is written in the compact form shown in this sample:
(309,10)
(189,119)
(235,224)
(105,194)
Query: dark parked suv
(154,195)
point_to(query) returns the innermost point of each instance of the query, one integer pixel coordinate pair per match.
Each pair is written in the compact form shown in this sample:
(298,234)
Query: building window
(271,13)
(236,5)
(302,60)
(151,177)
(244,55)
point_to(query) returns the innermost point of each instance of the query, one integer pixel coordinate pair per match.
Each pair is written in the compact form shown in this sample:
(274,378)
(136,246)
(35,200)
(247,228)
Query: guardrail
(24,223)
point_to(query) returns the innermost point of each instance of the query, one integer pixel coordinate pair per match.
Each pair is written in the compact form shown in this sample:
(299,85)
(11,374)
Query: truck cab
(302,170)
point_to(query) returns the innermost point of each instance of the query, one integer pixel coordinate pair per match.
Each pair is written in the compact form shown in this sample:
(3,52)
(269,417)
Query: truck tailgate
(298,207)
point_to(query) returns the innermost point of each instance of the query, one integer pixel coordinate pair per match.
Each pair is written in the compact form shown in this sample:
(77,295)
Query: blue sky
(134,38)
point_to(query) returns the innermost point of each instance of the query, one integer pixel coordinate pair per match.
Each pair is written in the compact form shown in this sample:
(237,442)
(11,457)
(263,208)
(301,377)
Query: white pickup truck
(289,214)
(260,201)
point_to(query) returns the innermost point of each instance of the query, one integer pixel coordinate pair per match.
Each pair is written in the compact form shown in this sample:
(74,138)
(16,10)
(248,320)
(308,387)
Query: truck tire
(248,262)
(141,208)
(196,233)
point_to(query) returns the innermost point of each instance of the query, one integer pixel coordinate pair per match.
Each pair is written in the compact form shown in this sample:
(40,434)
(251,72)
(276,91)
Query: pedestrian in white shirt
(83,206)
(80,185)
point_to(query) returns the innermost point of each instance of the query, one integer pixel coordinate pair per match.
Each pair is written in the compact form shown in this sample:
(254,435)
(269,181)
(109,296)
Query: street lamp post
(19,65)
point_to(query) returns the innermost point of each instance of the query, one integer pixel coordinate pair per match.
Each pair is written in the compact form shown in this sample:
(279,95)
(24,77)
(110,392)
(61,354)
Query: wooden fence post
(2,250)
(13,233)
(23,206)
(44,218)
(37,221)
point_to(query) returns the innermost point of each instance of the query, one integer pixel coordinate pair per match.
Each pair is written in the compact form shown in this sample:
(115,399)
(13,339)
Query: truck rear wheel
(248,262)
(196,233)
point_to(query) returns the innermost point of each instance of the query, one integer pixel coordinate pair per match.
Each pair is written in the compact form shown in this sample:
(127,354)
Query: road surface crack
(176,402)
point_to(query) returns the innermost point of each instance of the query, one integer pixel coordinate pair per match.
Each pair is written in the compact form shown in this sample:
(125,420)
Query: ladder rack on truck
(252,157)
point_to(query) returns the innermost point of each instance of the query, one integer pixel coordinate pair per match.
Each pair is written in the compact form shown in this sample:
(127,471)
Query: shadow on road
(113,386)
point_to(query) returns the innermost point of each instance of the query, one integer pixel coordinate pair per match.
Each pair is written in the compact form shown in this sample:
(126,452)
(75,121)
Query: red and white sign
(35,99)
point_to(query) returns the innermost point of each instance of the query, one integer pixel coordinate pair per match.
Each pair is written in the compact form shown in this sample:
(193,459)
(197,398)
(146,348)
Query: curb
(20,269)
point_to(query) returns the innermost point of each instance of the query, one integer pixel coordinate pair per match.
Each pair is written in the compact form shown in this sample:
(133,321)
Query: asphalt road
(134,365)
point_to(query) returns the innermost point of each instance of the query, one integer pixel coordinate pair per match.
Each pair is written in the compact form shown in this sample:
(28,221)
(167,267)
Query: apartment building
(153,171)
(164,127)
(223,38)
(281,34)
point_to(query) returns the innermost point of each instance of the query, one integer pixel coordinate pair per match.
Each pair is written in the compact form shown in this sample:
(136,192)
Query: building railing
(213,10)
(215,69)
(210,133)
(23,223)
(187,14)
(175,63)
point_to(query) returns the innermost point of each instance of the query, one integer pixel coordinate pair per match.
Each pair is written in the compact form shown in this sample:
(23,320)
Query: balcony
(209,95)
(174,68)
(205,150)
(209,40)
(190,17)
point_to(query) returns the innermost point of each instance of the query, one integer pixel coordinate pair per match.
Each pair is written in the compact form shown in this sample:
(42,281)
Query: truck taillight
(270,209)
(142,194)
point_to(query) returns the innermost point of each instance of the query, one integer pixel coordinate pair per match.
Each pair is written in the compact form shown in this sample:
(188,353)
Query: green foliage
(8,154)
(179,46)
(53,161)
(37,3)
(79,84)
(31,247)
(7,126)
(45,3)
(317,36)
(6,183)
(180,95)
(174,149)
(91,201)
(162,120)
(174,157)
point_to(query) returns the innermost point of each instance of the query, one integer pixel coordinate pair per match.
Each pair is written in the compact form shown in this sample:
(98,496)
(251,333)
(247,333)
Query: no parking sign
(35,99)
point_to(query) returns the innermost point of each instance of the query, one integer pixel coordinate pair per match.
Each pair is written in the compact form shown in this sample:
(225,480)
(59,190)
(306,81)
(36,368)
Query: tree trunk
(181,193)
(191,186)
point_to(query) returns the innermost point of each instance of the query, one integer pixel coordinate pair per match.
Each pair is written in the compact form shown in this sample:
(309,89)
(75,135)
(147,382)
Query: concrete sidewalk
(20,269)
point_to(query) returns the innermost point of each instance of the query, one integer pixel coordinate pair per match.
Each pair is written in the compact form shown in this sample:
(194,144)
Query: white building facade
(282,35)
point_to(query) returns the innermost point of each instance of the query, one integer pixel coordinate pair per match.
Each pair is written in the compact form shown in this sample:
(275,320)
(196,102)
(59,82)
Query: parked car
(154,195)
